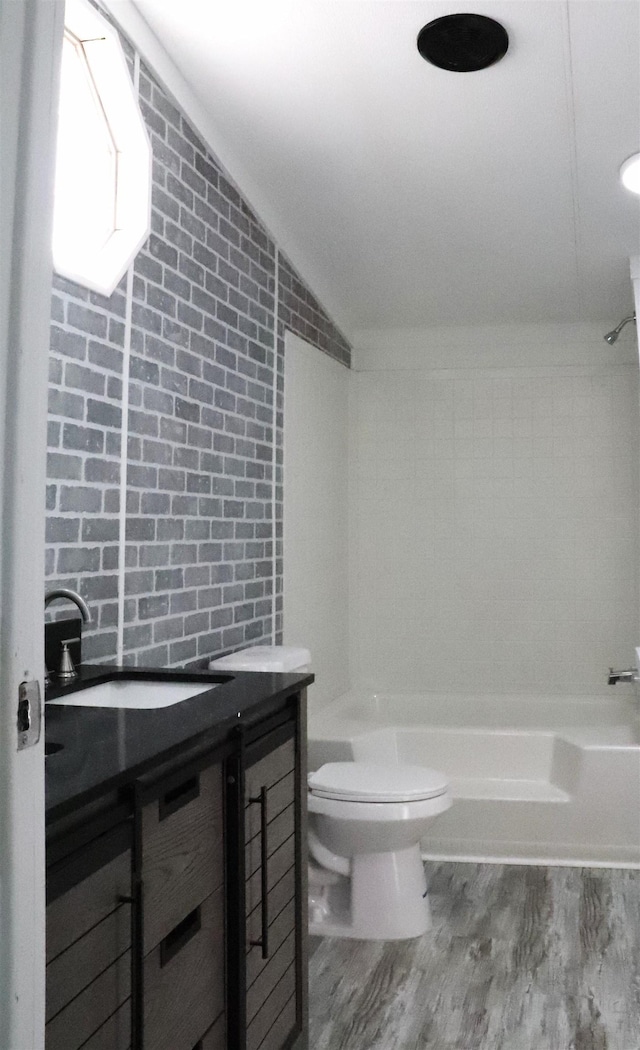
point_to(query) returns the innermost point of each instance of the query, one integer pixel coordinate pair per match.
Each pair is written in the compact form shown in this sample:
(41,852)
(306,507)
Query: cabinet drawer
(84,960)
(278,831)
(269,1013)
(184,979)
(270,769)
(279,796)
(85,1014)
(75,912)
(182,852)
(115,1033)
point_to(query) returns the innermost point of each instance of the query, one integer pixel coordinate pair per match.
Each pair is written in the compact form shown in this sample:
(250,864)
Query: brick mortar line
(83,362)
(274,444)
(124,428)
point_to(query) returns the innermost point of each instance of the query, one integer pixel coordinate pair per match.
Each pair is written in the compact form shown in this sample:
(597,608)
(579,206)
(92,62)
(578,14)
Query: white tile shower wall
(493,526)
(315,514)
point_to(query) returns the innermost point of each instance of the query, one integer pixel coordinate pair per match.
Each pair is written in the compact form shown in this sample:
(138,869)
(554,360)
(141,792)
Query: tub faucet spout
(630,675)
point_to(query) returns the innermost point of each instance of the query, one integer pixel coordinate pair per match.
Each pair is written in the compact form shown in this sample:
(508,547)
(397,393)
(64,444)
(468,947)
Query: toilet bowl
(366,876)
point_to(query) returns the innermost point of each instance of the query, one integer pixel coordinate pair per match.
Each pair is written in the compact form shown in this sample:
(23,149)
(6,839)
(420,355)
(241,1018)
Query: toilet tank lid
(278,658)
(377,782)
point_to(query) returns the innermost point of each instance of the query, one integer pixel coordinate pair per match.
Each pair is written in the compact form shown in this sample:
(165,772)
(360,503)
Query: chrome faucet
(630,675)
(73,596)
(69,671)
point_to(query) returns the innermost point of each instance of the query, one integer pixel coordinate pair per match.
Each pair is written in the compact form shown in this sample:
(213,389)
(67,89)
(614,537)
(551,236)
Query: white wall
(315,514)
(493,509)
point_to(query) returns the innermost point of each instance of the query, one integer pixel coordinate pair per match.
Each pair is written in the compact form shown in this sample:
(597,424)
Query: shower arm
(612,336)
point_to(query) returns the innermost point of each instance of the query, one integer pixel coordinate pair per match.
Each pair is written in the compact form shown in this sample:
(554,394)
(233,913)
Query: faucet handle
(67,671)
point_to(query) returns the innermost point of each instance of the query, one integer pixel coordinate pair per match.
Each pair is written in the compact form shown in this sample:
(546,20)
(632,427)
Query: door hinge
(29,714)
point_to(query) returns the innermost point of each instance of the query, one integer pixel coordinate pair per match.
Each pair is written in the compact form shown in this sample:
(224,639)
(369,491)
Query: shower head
(611,337)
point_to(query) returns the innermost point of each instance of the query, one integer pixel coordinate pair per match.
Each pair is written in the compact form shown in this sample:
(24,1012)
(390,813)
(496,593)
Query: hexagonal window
(103,162)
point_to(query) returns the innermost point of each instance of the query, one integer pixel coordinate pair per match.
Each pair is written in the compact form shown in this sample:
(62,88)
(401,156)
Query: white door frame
(30,45)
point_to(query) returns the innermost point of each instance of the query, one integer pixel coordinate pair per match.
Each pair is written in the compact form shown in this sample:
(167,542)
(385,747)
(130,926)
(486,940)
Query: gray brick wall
(83,463)
(199,439)
(301,313)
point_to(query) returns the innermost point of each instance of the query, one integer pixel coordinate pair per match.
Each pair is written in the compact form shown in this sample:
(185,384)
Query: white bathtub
(535,779)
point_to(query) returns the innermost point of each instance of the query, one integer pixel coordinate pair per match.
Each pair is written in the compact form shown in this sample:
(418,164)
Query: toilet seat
(376,783)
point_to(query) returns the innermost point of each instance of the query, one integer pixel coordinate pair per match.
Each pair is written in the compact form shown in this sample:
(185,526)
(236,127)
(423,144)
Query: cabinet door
(89,937)
(272,890)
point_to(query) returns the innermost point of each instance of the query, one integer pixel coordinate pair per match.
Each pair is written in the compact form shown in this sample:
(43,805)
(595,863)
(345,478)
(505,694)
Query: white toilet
(366,878)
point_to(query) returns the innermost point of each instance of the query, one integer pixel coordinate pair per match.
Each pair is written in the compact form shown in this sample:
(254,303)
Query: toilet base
(384,899)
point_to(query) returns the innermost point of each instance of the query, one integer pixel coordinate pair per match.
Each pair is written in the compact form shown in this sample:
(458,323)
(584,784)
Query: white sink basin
(140,695)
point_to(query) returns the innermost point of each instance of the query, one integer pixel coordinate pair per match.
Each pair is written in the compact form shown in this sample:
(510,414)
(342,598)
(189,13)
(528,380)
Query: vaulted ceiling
(412,196)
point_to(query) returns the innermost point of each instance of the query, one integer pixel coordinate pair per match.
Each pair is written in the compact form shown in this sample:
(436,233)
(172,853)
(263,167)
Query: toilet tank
(275,658)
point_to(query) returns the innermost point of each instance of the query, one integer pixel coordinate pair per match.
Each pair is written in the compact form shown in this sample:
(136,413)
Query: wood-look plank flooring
(519,958)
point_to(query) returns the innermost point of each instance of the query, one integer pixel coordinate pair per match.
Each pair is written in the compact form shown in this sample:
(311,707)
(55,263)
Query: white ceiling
(412,196)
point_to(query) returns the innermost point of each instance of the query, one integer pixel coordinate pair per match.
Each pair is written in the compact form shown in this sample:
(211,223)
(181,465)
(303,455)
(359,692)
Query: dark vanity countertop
(104,748)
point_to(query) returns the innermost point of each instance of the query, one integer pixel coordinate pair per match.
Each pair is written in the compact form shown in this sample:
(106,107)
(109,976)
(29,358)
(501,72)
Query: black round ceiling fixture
(463,43)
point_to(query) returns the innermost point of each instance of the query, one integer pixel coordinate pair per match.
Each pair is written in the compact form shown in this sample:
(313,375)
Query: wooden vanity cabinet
(176,909)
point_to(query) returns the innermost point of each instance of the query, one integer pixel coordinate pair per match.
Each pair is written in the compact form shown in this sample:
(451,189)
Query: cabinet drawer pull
(179,796)
(179,936)
(263,943)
